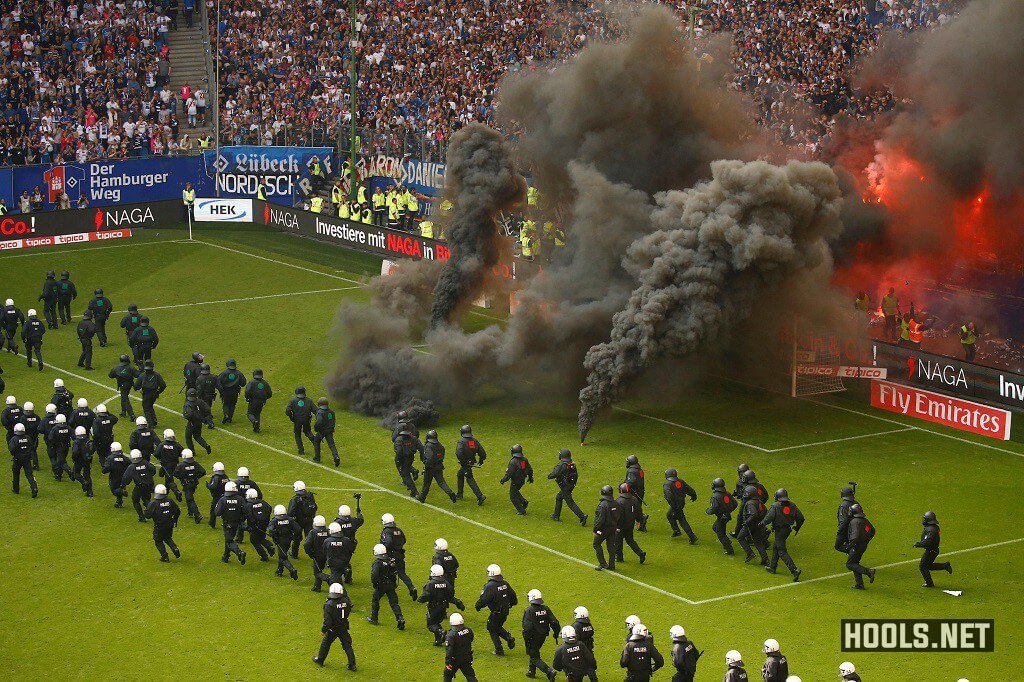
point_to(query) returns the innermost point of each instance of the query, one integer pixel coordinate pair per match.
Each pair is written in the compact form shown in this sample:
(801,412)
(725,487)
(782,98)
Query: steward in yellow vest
(427,229)
(316,204)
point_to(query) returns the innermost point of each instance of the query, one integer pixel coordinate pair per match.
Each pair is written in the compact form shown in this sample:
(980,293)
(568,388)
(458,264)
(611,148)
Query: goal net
(817,360)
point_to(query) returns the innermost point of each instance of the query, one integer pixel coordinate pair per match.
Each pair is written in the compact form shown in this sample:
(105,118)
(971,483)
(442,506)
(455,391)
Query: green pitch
(83,591)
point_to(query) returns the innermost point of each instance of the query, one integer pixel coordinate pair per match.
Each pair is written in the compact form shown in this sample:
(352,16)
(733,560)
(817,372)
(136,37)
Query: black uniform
(21,448)
(58,441)
(338,550)
(103,433)
(151,384)
(11,318)
(538,621)
(190,472)
(722,506)
(929,541)
(231,509)
(676,491)
(518,472)
(432,457)
(752,533)
(230,383)
(775,668)
(843,517)
(81,460)
(115,465)
(284,531)
(141,474)
(861,533)
(406,446)
(384,578)
(300,412)
(635,479)
(302,507)
(257,393)
(66,292)
(684,659)
(130,322)
(216,487)
(125,374)
(9,417)
(784,517)
(323,428)
(197,414)
(584,631)
(566,475)
(49,299)
(84,417)
(458,653)
(630,514)
(165,512)
(143,439)
(101,309)
(86,331)
(735,673)
(469,451)
(314,547)
(437,595)
(641,659)
(499,597)
(337,612)
(168,453)
(43,427)
(447,561)
(392,537)
(143,341)
(31,421)
(190,373)
(206,386)
(576,659)
(606,527)
(32,332)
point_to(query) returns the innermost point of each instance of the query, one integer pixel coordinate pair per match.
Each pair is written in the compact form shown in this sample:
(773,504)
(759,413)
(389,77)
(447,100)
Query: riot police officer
(59,443)
(458,650)
(338,550)
(32,332)
(190,373)
(300,411)
(446,560)
(606,528)
(437,594)
(130,322)
(635,481)
(82,416)
(302,508)
(144,440)
(81,459)
(518,472)
(49,299)
(684,653)
(197,414)
(140,473)
(470,453)
(574,657)
(406,445)
(257,393)
(165,512)
(11,318)
(499,598)
(323,427)
(384,579)
(776,667)
(640,657)
(231,509)
(168,454)
(735,671)
(229,384)
(349,527)
(216,485)
(783,517)
(206,385)
(676,491)
(843,517)
(752,533)
(10,416)
(392,537)
(151,385)
(861,533)
(21,449)
(66,292)
(103,431)
(257,520)
(31,421)
(124,373)
(432,457)
(565,475)
(115,465)
(337,611)
(538,620)
(630,514)
(314,548)
(930,543)
(583,627)
(143,341)
(284,531)
(722,506)
(101,309)
(86,331)
(737,493)
(189,472)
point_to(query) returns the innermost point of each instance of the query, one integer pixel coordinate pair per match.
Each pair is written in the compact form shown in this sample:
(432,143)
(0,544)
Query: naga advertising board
(21,231)
(222,210)
(945,374)
(941,409)
(238,170)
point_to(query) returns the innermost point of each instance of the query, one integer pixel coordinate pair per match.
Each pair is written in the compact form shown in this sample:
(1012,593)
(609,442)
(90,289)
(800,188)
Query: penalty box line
(248,298)
(405,497)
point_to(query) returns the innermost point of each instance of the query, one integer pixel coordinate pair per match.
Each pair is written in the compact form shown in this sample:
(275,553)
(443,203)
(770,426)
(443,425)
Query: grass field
(84,593)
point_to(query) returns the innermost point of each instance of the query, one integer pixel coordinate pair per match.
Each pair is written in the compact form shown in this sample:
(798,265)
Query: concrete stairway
(188,64)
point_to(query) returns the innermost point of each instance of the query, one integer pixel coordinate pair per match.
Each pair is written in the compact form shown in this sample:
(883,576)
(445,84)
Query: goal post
(816,362)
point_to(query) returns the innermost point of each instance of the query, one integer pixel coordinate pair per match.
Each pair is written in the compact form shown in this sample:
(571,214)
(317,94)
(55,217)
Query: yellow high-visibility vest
(379,200)
(446,206)
(361,195)
(315,170)
(316,204)
(343,210)
(188,196)
(427,229)
(532,196)
(414,204)
(968,336)
(403,200)
(205,142)
(337,194)
(367,216)
(393,212)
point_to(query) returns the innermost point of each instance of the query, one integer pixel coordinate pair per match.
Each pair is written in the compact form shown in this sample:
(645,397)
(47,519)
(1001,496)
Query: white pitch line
(317,487)
(407,498)
(847,573)
(841,440)
(690,428)
(247,298)
(96,248)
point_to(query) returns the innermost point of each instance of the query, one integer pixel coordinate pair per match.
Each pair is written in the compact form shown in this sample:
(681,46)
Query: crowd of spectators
(88,80)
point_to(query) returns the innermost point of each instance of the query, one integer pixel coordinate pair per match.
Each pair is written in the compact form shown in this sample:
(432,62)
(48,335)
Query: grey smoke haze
(717,249)
(480,181)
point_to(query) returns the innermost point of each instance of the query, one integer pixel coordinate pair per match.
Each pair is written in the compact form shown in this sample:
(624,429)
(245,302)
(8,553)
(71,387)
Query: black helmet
(98,292)
(606,491)
(781,494)
(402,414)
(149,364)
(856,509)
(300,390)
(632,461)
(88,316)
(204,368)
(517,449)
(929,517)
(564,454)
(321,402)
(143,320)
(197,356)
(741,468)
(64,274)
(132,308)
(125,358)
(846,492)
(49,274)
(230,363)
(190,393)
(671,473)
(465,430)
(750,491)
(623,488)
(749,475)
(432,436)
(257,374)
(718,484)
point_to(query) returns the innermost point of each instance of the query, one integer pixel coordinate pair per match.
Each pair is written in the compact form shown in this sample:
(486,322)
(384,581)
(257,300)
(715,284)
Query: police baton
(854,484)
(358,497)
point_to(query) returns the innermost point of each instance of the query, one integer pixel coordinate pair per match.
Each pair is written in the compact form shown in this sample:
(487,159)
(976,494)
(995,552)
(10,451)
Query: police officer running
(302,508)
(216,485)
(197,414)
(143,341)
(458,650)
(782,518)
(32,332)
(165,512)
(630,514)
(337,611)
(392,537)
(640,657)
(190,372)
(284,531)
(168,454)
(11,318)
(406,445)
(538,620)
(565,474)
(101,309)
(189,472)
(151,385)
(929,541)
(229,384)
(66,292)
(776,668)
(124,373)
(861,533)
(115,465)
(432,457)
(323,426)
(437,595)
(49,299)
(606,528)
(257,393)
(574,657)
(676,491)
(684,655)
(384,578)
(518,472)
(314,548)
(300,411)
(499,598)
(636,482)
(843,517)
(734,667)
(21,448)
(722,506)
(349,527)
(86,331)
(140,473)
(231,509)
(752,533)
(131,321)
(470,453)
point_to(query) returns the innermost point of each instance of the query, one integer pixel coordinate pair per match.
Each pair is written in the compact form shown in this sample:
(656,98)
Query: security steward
(929,541)
(257,393)
(518,472)
(565,474)
(722,506)
(783,518)
(606,528)
(230,383)
(101,309)
(470,453)
(969,340)
(66,292)
(86,331)
(499,598)
(300,411)
(676,491)
(165,512)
